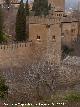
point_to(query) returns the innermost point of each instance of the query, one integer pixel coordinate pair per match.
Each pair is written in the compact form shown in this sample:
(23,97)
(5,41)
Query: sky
(72,3)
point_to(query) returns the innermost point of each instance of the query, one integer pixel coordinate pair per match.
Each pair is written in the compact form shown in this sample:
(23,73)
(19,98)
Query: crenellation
(14,45)
(44,20)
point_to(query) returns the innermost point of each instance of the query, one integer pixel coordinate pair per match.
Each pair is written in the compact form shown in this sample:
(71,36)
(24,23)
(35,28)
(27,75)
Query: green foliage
(27,8)
(2,35)
(66,50)
(21,23)
(27,19)
(3,88)
(73,97)
(1,24)
(40,7)
(3,38)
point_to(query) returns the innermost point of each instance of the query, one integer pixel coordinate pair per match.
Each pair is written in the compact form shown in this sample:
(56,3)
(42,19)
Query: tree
(40,7)
(3,88)
(1,24)
(21,23)
(27,19)
(27,8)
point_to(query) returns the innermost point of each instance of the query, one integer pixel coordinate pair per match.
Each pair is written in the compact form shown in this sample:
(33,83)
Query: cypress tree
(21,23)
(27,19)
(40,7)
(27,8)
(36,7)
(1,24)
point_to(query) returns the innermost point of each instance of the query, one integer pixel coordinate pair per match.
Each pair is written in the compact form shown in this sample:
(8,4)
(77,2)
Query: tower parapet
(57,4)
(55,19)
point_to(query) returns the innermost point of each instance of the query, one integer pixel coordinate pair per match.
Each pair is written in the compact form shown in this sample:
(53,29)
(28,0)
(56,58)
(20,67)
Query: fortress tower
(60,4)
(45,34)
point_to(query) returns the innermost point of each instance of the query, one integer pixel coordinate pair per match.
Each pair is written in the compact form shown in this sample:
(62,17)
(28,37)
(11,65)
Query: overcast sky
(72,3)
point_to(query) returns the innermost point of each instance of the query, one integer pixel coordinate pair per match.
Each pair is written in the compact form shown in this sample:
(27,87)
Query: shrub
(73,97)
(3,88)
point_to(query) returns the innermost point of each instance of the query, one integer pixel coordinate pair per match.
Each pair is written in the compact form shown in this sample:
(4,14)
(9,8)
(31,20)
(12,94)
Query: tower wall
(58,3)
(48,44)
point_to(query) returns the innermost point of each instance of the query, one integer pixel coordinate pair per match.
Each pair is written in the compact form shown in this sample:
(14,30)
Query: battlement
(15,45)
(15,54)
(44,20)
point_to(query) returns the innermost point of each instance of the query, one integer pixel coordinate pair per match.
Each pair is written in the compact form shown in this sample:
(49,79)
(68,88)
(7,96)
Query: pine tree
(40,7)
(21,23)
(1,24)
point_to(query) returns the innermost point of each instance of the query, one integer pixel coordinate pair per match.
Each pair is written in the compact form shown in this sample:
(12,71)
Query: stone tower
(58,4)
(45,34)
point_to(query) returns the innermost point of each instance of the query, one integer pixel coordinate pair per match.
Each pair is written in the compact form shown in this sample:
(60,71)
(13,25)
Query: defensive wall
(14,54)
(44,20)
(49,42)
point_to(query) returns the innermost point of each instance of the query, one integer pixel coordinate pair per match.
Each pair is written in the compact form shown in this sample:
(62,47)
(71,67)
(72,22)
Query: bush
(66,50)
(3,88)
(73,97)
(3,38)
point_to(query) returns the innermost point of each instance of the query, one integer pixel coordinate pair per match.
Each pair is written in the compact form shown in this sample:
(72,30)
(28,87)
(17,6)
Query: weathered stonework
(50,39)
(69,31)
(32,69)
(48,44)
(58,4)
